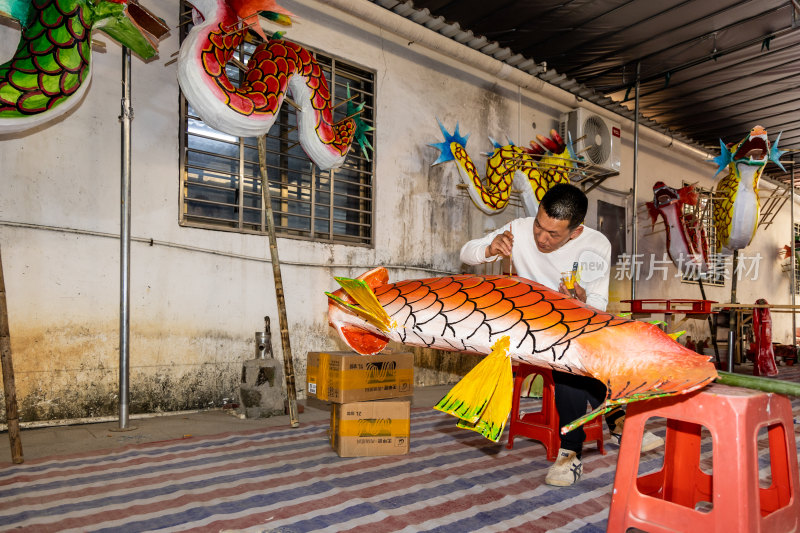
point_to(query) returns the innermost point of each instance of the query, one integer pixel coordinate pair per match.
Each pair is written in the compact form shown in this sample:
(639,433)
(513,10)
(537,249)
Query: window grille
(220,184)
(719,266)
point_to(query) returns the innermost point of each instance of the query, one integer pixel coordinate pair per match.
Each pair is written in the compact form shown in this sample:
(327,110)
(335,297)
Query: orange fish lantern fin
(356,310)
(375,278)
(356,297)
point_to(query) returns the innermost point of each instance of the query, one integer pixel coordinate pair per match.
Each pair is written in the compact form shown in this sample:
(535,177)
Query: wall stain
(71,371)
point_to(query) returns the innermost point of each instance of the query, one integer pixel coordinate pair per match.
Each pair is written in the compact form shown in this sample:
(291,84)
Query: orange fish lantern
(512,318)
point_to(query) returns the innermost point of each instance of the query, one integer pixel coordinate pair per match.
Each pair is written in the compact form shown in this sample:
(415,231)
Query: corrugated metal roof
(709,69)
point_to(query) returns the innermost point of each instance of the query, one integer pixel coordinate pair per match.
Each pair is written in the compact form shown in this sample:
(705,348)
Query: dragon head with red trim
(245,11)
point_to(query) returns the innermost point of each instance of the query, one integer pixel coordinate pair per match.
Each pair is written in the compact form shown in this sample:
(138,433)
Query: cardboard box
(343,377)
(367,429)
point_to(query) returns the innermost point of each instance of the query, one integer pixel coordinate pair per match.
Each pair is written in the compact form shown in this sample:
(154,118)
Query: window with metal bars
(220,178)
(719,267)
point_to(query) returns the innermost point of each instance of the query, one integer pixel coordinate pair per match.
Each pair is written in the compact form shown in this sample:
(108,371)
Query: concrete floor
(76,438)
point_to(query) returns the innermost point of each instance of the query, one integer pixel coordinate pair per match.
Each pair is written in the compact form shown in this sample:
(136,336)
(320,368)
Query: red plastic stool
(543,425)
(666,500)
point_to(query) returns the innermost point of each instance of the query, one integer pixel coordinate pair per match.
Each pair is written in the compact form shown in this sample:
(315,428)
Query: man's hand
(580,292)
(500,245)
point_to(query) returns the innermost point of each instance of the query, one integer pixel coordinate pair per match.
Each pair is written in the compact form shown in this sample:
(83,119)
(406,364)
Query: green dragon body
(51,68)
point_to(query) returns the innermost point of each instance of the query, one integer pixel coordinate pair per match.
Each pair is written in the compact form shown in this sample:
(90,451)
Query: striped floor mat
(289,480)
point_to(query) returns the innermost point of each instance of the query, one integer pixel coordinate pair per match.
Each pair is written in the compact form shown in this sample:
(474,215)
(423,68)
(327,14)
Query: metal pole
(634,237)
(731,343)
(125,241)
(288,364)
(734,334)
(712,324)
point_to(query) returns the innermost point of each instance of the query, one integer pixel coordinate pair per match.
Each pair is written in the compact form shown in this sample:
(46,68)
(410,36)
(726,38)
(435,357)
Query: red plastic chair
(678,497)
(544,425)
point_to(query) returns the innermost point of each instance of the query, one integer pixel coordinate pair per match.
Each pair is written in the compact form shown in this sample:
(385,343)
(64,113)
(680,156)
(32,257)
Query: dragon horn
(445,152)
(557,138)
(548,143)
(20,11)
(114,20)
(775,154)
(688,195)
(495,143)
(724,157)
(536,148)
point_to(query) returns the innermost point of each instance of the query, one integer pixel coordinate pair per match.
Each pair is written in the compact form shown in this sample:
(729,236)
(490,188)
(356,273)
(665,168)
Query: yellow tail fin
(482,399)
(494,417)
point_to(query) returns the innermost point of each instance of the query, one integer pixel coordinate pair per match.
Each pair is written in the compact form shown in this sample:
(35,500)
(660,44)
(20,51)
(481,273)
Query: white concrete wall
(197,295)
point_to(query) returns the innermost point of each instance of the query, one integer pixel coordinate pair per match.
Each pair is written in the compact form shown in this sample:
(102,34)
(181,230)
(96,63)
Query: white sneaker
(566,471)
(650,441)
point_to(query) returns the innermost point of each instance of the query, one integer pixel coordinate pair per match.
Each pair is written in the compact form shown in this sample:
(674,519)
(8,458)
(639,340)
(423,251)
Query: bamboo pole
(778,386)
(288,364)
(9,387)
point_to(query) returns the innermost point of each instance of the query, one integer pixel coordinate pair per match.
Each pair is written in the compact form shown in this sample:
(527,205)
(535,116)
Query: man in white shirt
(541,248)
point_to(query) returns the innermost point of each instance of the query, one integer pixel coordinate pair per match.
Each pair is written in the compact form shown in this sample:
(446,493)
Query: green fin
(606,407)
(674,336)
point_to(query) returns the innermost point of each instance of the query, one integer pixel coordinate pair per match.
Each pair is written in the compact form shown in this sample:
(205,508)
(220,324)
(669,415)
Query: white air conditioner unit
(596,139)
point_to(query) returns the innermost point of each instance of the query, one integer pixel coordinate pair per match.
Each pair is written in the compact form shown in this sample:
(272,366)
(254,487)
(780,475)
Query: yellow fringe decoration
(482,399)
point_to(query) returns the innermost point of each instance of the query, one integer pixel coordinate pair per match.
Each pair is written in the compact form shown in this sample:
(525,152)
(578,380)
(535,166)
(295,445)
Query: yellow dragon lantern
(736,204)
(531,170)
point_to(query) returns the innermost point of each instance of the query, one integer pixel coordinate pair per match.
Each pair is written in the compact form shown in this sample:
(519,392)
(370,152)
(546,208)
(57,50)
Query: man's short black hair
(565,201)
